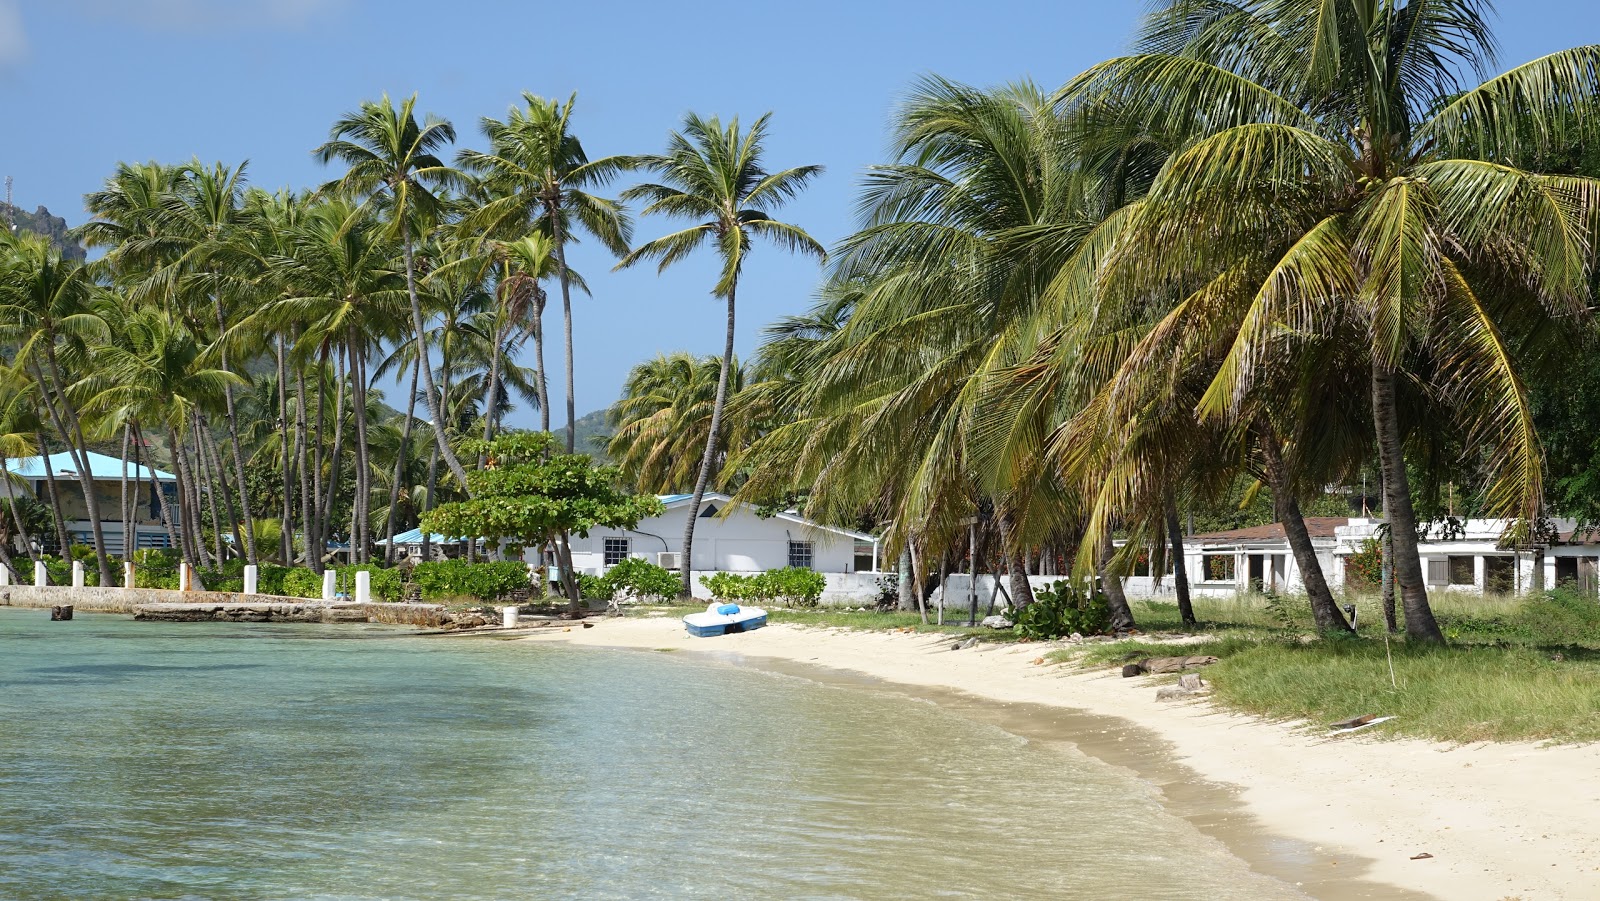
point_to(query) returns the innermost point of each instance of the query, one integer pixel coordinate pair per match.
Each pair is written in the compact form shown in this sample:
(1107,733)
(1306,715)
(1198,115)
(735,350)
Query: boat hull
(713,623)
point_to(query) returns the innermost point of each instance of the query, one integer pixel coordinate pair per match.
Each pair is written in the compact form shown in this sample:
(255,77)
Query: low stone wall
(224,606)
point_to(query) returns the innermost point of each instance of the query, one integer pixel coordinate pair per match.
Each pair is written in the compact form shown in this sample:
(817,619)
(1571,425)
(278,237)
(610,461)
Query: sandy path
(1502,821)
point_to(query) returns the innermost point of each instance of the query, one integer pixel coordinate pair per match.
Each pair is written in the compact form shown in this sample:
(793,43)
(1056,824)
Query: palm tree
(539,176)
(1334,170)
(662,419)
(390,158)
(714,173)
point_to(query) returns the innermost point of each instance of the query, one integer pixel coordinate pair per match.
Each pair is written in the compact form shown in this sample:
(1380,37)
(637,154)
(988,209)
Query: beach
(1500,821)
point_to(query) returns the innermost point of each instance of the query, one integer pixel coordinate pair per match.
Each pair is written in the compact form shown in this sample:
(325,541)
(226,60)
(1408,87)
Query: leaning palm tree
(1333,170)
(539,177)
(662,417)
(394,161)
(714,173)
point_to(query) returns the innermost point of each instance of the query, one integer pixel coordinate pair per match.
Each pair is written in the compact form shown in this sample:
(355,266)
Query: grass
(1515,669)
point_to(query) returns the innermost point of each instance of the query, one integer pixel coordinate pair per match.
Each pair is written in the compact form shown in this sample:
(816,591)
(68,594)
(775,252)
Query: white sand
(1502,821)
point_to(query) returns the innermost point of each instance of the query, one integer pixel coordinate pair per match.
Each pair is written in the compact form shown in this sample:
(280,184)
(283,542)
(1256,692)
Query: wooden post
(61,613)
(185,577)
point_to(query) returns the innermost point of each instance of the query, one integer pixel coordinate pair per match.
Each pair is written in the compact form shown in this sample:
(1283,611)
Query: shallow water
(151,760)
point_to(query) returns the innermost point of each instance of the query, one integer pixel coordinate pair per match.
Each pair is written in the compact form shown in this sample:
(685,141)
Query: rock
(1076,636)
(1191,681)
(1131,670)
(1174,693)
(1174,664)
(964,644)
(61,613)
(1038,660)
(996,622)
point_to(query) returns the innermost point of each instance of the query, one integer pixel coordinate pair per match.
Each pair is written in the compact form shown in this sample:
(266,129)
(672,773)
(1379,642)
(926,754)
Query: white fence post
(185,577)
(41,576)
(5,575)
(127,575)
(250,573)
(363,587)
(328,584)
(77,574)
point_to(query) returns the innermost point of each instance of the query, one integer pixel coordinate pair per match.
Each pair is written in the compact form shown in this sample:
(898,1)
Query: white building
(143,531)
(1464,558)
(730,537)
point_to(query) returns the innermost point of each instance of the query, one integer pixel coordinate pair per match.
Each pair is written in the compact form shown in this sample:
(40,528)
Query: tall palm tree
(539,176)
(1336,169)
(392,160)
(714,173)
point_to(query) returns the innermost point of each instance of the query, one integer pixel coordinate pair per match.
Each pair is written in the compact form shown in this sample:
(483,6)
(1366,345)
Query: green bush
(1561,616)
(595,588)
(60,571)
(156,568)
(641,580)
(1061,609)
(301,582)
(793,586)
(270,577)
(452,579)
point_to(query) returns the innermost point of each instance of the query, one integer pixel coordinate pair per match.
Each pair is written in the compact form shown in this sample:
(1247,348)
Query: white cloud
(13,40)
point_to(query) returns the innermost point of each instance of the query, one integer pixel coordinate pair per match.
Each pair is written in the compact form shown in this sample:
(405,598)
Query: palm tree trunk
(538,360)
(233,440)
(63,541)
(16,517)
(1324,609)
(314,542)
(1420,624)
(127,533)
(215,458)
(1180,566)
(905,601)
(430,501)
(209,474)
(439,437)
(491,394)
(1386,576)
(359,515)
(159,497)
(711,447)
(400,462)
(338,450)
(78,448)
(1111,584)
(1016,564)
(559,239)
(286,459)
(304,463)
(188,544)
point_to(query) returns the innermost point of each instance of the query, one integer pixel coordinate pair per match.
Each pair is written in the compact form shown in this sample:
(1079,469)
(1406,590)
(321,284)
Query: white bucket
(510,616)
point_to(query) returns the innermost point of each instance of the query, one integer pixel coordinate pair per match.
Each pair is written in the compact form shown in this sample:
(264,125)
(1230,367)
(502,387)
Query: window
(1463,569)
(1499,575)
(616,550)
(1217,567)
(864,562)
(1438,571)
(800,554)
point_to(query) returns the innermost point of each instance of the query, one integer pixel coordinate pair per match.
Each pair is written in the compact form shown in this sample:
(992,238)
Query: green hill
(593,434)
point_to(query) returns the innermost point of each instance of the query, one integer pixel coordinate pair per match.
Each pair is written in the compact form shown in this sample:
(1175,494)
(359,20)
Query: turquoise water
(150,760)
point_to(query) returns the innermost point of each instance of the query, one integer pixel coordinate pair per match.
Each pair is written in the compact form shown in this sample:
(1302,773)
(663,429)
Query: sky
(87,83)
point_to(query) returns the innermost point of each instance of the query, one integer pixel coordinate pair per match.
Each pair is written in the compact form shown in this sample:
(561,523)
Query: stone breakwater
(224,606)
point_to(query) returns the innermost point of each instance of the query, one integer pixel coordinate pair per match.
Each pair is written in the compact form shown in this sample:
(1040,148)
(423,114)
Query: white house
(144,530)
(1251,559)
(730,537)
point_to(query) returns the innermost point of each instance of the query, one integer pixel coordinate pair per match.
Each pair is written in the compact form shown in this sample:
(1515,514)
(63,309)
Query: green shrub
(270,578)
(450,579)
(595,588)
(1561,616)
(387,584)
(640,580)
(795,587)
(156,568)
(301,582)
(1061,609)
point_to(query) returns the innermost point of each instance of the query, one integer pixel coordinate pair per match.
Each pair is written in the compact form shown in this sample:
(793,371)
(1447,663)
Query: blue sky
(86,83)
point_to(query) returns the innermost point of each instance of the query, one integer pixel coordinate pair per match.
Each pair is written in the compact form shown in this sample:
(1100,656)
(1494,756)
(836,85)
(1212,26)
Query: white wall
(739,542)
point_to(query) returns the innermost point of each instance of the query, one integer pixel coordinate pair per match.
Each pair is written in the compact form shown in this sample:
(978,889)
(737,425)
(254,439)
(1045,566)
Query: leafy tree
(533,496)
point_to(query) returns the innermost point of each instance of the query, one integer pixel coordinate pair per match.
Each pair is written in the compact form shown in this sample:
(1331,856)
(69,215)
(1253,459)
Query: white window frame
(802,550)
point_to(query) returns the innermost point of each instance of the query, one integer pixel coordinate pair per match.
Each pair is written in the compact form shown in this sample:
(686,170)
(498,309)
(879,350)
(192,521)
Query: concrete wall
(124,600)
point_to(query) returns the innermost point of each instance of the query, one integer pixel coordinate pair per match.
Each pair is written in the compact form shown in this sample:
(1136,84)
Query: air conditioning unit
(667,560)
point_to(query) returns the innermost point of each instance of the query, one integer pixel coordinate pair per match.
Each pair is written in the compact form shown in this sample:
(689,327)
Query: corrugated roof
(1316,526)
(414,536)
(100,467)
(672,498)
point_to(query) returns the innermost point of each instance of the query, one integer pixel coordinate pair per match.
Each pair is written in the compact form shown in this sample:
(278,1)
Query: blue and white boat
(724,619)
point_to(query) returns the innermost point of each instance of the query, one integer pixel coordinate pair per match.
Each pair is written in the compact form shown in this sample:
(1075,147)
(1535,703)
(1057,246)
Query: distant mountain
(593,434)
(40,222)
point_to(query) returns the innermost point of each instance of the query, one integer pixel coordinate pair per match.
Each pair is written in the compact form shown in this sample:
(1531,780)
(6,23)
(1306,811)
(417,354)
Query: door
(1586,574)
(1280,572)
(1255,568)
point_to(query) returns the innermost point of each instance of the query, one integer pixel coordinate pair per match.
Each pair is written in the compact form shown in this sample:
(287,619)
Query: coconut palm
(392,160)
(714,174)
(539,178)
(1335,170)
(661,421)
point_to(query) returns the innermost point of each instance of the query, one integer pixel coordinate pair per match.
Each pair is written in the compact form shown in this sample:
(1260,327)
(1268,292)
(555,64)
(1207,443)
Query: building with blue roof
(35,475)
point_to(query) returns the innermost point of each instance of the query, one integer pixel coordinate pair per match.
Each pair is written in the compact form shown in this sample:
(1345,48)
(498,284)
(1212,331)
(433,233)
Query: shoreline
(1336,816)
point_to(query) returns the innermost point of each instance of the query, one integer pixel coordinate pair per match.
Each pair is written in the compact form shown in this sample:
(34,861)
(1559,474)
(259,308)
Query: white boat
(723,619)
